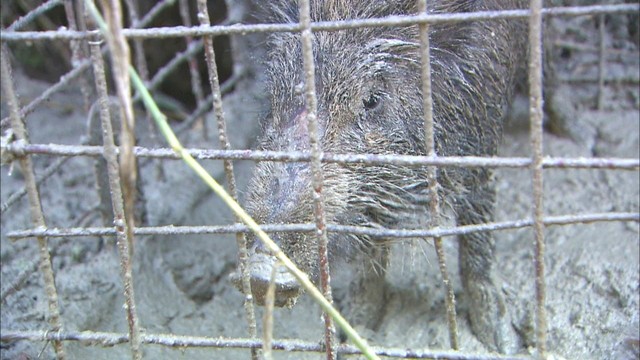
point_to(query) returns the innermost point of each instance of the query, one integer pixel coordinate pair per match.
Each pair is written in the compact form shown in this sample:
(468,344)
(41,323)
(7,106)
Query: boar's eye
(373,102)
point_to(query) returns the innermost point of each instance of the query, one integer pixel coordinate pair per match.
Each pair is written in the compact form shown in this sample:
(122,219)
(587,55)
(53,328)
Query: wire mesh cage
(113,248)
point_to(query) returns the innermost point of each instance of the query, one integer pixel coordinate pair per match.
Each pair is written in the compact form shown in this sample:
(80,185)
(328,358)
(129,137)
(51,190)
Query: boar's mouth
(260,267)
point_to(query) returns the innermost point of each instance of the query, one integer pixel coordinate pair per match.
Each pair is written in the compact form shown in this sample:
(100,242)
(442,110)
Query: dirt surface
(181,283)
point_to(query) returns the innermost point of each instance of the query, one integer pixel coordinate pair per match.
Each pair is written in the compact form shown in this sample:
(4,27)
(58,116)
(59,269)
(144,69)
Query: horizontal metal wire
(310,227)
(182,31)
(108,339)
(20,148)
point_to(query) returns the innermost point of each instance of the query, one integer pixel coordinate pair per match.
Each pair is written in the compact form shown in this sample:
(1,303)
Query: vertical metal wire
(141,61)
(535,98)
(243,256)
(78,52)
(316,168)
(196,82)
(601,61)
(37,215)
(432,174)
(121,226)
(143,71)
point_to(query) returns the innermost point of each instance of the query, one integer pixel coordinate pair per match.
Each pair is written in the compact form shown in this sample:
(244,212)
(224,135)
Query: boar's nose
(290,193)
(260,266)
(294,129)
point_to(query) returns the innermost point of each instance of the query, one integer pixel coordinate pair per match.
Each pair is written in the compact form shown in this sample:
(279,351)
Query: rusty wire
(196,81)
(108,339)
(123,232)
(35,207)
(432,174)
(19,149)
(537,163)
(142,68)
(241,29)
(216,93)
(78,50)
(602,60)
(311,108)
(535,116)
(33,14)
(358,230)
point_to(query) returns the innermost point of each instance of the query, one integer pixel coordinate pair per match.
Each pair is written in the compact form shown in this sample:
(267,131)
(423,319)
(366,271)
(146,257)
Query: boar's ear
(380,8)
(382,52)
(382,46)
(455,6)
(284,11)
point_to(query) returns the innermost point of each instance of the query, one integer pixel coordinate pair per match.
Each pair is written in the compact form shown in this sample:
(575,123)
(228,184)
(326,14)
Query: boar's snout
(260,266)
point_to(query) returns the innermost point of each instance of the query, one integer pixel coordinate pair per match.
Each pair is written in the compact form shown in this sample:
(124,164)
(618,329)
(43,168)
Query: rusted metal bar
(344,229)
(37,217)
(141,62)
(311,103)
(536,116)
(196,87)
(78,52)
(235,29)
(120,224)
(602,60)
(33,14)
(241,240)
(20,149)
(432,175)
(178,341)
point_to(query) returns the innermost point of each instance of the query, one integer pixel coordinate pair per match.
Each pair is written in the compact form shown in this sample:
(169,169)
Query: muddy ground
(181,283)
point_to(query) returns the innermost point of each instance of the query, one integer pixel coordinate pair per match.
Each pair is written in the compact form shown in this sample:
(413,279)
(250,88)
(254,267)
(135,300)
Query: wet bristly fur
(368,87)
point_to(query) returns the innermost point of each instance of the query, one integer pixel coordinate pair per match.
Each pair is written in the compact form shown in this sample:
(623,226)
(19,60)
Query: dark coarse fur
(370,101)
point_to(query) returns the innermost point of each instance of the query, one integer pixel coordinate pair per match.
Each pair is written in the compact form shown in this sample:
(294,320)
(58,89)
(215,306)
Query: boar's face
(367,86)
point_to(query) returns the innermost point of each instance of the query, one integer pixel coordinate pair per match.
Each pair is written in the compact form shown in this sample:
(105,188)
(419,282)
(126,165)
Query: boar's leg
(490,320)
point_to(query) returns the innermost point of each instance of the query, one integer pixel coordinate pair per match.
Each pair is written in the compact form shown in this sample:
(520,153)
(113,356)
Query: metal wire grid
(76,33)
